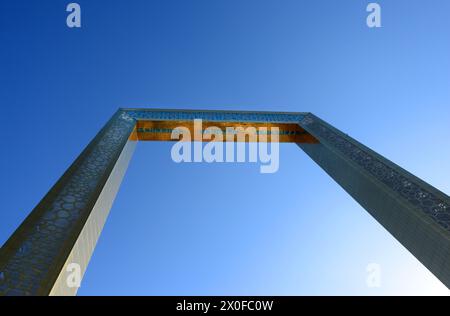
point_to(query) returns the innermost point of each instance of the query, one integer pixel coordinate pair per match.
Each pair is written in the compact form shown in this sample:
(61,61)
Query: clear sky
(201,229)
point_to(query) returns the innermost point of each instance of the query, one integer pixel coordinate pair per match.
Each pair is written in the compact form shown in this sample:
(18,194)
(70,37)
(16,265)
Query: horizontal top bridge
(235,126)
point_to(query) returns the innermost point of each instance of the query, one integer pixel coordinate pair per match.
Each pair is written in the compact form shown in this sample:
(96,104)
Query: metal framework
(64,227)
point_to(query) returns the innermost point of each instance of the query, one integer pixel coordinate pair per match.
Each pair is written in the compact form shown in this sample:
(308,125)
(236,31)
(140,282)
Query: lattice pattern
(25,269)
(219,116)
(435,207)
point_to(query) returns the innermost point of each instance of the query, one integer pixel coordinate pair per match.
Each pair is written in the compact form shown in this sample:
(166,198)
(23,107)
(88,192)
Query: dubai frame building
(64,227)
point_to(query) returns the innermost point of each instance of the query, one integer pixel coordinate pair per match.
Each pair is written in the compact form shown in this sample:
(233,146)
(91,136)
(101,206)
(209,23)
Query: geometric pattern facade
(434,204)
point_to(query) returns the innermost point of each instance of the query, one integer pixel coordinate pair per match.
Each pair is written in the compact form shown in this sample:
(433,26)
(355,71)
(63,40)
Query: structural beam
(64,227)
(414,212)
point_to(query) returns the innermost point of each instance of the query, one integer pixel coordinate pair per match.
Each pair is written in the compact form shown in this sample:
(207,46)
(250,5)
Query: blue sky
(200,229)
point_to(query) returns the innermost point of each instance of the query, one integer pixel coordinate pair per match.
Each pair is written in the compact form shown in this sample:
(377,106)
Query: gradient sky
(226,229)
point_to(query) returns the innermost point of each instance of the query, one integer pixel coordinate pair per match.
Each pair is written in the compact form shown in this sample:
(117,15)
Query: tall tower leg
(56,241)
(415,213)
